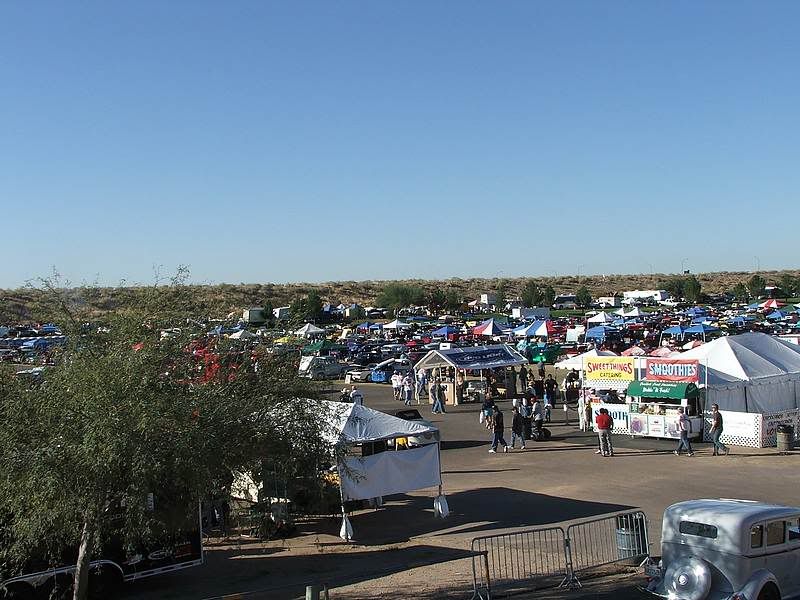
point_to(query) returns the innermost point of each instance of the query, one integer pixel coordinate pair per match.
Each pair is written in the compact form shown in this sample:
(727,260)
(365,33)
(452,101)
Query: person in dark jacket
(517,428)
(498,426)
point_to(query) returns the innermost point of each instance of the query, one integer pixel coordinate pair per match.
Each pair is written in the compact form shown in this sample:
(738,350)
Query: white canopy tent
(759,373)
(309,330)
(383,473)
(601,317)
(396,324)
(242,334)
(576,362)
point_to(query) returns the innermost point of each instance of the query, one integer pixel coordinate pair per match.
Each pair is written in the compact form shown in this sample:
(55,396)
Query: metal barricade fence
(518,559)
(620,538)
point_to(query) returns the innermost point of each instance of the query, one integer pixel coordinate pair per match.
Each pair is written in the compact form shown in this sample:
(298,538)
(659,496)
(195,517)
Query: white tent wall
(772,394)
(730,396)
(390,472)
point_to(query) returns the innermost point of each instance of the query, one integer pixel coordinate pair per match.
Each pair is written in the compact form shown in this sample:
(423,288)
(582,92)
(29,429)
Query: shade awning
(472,358)
(662,389)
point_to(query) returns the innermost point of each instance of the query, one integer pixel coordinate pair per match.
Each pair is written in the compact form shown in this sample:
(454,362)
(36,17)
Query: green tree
(674,285)
(531,294)
(453,301)
(548,295)
(437,300)
(739,292)
(692,289)
(582,297)
(788,285)
(306,309)
(756,285)
(395,296)
(500,295)
(124,414)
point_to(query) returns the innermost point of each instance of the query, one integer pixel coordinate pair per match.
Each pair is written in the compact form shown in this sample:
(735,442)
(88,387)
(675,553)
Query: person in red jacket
(604,424)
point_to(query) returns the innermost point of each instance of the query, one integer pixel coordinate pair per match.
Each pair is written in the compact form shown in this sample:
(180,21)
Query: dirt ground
(401,550)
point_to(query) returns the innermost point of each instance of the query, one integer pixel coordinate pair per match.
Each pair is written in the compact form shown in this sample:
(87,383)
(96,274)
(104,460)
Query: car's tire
(769,592)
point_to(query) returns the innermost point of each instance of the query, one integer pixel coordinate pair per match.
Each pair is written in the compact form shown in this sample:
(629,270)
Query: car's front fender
(756,583)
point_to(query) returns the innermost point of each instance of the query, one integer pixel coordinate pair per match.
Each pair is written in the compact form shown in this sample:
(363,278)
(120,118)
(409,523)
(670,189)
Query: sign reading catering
(609,367)
(672,369)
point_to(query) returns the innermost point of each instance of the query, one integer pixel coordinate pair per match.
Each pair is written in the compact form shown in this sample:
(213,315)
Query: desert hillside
(219,300)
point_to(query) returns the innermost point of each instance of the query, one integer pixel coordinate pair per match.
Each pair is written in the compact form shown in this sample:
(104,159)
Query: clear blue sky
(296,141)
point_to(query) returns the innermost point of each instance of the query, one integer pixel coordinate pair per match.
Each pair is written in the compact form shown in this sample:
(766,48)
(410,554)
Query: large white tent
(383,473)
(767,369)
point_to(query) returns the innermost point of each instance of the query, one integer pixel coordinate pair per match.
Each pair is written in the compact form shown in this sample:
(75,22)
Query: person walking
(437,391)
(497,431)
(604,424)
(523,379)
(716,432)
(397,385)
(541,370)
(488,412)
(684,428)
(356,397)
(518,428)
(526,410)
(538,418)
(408,389)
(551,390)
(422,384)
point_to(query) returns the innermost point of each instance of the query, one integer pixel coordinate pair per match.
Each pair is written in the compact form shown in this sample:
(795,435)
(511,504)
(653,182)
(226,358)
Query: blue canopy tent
(445,331)
(740,321)
(376,327)
(676,331)
(527,330)
(696,311)
(701,329)
(776,315)
(365,325)
(599,333)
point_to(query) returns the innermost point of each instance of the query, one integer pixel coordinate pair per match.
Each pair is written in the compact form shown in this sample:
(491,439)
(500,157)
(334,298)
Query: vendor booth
(449,362)
(654,408)
(369,470)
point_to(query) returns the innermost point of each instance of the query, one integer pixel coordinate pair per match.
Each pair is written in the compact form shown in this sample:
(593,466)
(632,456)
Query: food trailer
(653,409)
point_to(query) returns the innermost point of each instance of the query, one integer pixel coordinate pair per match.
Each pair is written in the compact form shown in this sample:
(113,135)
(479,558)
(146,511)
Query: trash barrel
(631,537)
(785,434)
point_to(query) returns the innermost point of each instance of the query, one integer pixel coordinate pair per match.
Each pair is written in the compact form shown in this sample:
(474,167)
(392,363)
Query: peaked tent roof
(576,362)
(488,327)
(354,424)
(472,358)
(601,317)
(309,329)
(748,356)
(396,324)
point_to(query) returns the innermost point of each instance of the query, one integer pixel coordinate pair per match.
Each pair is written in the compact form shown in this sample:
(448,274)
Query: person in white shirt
(408,389)
(356,396)
(397,385)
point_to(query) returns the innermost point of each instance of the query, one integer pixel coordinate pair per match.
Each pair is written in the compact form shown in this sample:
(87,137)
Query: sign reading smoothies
(672,369)
(609,367)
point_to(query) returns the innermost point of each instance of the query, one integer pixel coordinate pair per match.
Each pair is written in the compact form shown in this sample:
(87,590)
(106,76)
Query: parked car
(362,373)
(320,367)
(382,373)
(412,414)
(728,550)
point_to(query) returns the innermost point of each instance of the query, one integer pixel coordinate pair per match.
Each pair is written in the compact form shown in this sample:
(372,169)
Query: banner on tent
(620,368)
(671,369)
